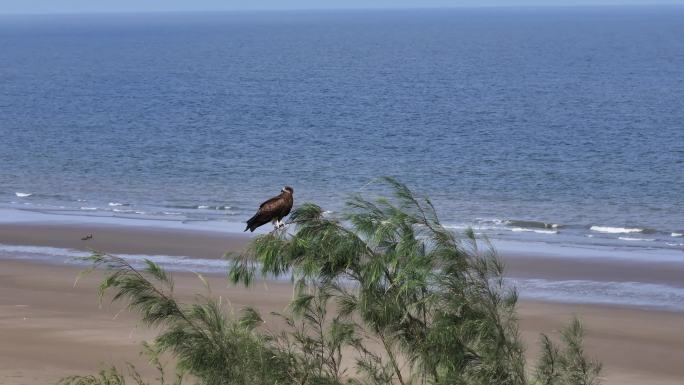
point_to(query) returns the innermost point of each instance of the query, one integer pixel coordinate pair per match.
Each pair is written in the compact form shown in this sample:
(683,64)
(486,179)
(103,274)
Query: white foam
(522,229)
(23,195)
(465,227)
(492,221)
(115,204)
(89,208)
(122,211)
(208,207)
(636,239)
(615,230)
(677,235)
(170,213)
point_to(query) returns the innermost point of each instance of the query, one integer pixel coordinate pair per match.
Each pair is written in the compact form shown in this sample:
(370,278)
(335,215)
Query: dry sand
(49,328)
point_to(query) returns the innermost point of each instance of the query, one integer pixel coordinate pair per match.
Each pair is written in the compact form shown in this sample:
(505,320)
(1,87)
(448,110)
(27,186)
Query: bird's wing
(270,204)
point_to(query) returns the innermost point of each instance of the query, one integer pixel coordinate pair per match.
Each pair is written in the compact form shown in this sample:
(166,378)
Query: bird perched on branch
(273,210)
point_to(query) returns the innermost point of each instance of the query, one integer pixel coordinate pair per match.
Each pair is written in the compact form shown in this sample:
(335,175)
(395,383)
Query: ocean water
(556,126)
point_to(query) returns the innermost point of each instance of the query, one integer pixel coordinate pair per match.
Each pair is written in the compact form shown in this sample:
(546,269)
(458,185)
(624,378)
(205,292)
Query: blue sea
(552,126)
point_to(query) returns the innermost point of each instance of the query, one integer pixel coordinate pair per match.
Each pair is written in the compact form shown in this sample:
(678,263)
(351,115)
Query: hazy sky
(87,6)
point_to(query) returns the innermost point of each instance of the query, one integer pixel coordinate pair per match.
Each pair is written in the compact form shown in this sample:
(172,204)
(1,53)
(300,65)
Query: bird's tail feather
(250,224)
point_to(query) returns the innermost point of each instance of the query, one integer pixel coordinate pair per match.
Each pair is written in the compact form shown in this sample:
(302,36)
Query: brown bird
(273,210)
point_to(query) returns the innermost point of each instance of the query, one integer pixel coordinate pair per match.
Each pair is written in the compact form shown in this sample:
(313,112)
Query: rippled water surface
(511,120)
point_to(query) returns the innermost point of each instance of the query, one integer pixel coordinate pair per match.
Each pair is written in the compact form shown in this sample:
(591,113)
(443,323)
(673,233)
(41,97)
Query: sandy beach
(50,328)
(156,130)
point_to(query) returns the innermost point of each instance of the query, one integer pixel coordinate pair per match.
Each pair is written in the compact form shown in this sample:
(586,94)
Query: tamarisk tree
(383,294)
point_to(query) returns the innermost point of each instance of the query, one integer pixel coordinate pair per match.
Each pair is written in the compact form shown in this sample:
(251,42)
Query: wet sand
(124,239)
(206,244)
(49,328)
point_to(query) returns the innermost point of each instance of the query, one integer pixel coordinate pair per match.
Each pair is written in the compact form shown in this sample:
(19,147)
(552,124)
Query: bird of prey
(273,210)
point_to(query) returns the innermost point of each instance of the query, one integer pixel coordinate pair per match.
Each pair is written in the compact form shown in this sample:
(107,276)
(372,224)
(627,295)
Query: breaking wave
(123,211)
(636,239)
(615,230)
(538,231)
(532,224)
(200,207)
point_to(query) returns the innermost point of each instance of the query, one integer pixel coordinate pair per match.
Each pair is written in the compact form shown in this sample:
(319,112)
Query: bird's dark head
(288,189)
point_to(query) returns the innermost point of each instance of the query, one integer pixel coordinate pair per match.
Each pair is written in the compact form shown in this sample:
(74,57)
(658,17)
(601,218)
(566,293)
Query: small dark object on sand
(87,237)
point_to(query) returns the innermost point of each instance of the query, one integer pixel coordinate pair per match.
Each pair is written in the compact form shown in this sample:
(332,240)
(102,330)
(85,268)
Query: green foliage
(205,342)
(110,376)
(384,295)
(437,305)
(570,365)
(313,341)
(114,376)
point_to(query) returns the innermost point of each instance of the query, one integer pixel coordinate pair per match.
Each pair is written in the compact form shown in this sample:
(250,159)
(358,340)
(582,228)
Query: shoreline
(118,239)
(515,237)
(546,277)
(51,328)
